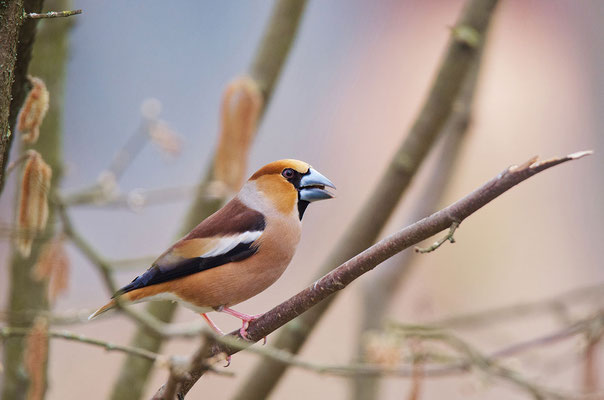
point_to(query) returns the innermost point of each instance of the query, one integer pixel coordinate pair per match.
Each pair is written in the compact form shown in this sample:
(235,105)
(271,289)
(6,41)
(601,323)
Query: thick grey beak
(312,186)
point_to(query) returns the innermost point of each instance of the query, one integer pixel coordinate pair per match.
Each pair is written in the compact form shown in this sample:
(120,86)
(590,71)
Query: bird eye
(288,173)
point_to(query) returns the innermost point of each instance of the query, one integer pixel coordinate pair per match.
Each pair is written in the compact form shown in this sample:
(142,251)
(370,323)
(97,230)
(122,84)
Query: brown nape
(277,167)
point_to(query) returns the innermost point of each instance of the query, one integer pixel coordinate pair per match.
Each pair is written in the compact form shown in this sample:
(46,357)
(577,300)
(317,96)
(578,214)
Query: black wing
(167,272)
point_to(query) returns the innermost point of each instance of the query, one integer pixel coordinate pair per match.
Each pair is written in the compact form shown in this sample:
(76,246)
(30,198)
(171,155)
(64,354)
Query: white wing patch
(228,243)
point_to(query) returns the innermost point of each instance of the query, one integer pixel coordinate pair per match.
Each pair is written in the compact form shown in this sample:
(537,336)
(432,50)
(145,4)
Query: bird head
(291,185)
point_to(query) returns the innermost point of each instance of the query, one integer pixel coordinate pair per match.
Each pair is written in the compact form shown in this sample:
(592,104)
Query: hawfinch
(237,252)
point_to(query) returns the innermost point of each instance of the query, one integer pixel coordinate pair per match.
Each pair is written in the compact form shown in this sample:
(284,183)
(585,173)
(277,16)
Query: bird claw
(228,361)
(246,324)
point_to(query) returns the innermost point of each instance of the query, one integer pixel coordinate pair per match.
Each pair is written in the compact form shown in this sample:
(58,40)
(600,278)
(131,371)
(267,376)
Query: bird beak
(312,186)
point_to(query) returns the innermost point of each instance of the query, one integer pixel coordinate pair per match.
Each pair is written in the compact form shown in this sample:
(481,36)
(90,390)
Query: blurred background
(355,79)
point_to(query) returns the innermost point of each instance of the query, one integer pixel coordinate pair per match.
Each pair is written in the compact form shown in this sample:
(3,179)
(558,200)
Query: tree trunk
(26,294)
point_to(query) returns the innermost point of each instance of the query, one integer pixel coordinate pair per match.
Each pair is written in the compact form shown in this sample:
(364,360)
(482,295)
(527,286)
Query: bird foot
(245,320)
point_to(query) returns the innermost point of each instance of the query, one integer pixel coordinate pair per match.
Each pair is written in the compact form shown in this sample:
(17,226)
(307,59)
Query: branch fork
(438,243)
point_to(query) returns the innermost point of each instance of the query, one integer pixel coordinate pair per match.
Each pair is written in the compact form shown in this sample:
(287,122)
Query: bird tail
(102,310)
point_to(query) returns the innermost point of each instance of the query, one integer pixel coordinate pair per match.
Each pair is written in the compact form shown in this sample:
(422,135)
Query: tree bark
(26,294)
(16,42)
(11,16)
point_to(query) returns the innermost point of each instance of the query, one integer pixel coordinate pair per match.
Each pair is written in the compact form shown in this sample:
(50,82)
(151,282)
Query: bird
(237,252)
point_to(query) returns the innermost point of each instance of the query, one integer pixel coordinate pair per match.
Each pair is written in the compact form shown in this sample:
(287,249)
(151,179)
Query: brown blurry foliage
(33,201)
(239,113)
(33,111)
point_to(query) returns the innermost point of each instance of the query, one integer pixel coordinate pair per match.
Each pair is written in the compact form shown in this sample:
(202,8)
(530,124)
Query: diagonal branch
(347,272)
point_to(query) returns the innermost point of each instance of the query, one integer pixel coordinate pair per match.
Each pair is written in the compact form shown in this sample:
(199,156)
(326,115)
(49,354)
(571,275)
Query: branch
(346,273)
(6,332)
(590,324)
(145,320)
(172,363)
(52,14)
(106,188)
(134,200)
(364,230)
(65,318)
(551,304)
(487,364)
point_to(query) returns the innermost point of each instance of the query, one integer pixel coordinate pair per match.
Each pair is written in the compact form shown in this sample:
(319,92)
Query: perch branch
(350,270)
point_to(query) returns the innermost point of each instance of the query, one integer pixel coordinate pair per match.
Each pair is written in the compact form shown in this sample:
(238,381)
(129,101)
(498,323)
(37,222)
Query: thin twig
(438,243)
(551,304)
(23,157)
(105,189)
(136,199)
(16,331)
(487,363)
(52,14)
(591,368)
(144,319)
(173,363)
(53,318)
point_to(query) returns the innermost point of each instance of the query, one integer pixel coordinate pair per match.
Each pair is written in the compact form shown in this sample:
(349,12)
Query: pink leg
(245,319)
(212,324)
(217,330)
